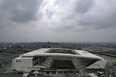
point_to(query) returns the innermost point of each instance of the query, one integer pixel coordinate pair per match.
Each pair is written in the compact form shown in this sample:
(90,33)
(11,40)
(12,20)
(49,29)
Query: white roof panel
(35,52)
(86,53)
(41,52)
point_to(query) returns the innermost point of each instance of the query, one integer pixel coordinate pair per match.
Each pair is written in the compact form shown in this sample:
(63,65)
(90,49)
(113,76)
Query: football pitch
(63,64)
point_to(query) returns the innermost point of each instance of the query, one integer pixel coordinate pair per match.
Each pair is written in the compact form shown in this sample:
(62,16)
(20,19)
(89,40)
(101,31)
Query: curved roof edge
(44,52)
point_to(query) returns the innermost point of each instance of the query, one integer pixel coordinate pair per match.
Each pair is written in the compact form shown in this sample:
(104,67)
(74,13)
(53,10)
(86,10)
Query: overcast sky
(58,20)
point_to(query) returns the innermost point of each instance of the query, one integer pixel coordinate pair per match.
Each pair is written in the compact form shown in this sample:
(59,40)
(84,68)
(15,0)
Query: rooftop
(60,52)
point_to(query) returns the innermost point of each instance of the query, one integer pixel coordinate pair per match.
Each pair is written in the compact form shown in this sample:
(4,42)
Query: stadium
(51,59)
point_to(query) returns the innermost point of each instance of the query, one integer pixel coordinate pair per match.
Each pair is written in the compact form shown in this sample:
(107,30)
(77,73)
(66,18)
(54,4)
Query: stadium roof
(45,52)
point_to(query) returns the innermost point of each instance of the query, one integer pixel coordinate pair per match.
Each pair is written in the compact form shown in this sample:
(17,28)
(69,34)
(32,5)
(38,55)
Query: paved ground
(10,75)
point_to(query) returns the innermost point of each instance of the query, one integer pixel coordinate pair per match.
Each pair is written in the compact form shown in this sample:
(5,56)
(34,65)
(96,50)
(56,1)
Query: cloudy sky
(58,20)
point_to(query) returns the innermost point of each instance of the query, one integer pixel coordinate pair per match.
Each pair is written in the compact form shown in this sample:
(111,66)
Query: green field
(63,64)
(61,51)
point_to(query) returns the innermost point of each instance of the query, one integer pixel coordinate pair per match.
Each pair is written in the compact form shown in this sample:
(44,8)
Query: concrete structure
(51,59)
(92,75)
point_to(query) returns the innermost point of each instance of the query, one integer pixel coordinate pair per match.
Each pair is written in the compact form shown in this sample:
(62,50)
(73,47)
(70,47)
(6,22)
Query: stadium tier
(57,58)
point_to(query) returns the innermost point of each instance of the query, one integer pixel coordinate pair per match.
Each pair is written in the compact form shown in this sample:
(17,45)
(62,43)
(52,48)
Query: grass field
(63,64)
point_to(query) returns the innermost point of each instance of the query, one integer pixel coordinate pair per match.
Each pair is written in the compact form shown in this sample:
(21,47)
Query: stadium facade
(57,58)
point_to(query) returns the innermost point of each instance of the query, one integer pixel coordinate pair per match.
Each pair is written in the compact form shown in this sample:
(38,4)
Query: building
(51,59)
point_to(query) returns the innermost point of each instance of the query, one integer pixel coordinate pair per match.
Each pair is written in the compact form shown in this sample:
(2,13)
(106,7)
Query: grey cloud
(20,10)
(58,2)
(71,20)
(97,17)
(49,13)
(99,21)
(64,28)
(82,6)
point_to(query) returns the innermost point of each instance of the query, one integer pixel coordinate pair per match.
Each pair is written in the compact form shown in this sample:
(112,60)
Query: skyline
(57,21)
